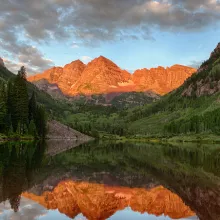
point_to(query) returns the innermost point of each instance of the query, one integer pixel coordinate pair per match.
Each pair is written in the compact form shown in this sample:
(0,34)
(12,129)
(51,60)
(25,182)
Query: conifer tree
(22,73)
(18,114)
(32,129)
(20,101)
(41,121)
(11,104)
(3,107)
(32,108)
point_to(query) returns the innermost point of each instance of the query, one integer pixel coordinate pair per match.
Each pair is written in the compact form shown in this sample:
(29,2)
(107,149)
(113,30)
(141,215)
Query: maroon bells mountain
(102,76)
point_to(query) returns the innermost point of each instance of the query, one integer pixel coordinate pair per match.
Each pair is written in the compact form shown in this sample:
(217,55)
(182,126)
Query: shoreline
(200,139)
(3,139)
(31,138)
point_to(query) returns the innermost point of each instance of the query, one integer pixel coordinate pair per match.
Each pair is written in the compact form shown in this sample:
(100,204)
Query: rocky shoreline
(56,131)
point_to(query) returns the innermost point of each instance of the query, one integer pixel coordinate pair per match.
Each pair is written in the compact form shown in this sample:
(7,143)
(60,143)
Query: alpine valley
(100,99)
(110,110)
(188,108)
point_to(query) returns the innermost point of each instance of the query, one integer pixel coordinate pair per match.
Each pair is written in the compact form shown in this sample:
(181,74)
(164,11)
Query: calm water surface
(102,180)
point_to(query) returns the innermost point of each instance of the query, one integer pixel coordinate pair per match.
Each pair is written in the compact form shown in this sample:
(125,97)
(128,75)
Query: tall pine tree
(32,108)
(3,107)
(18,114)
(41,121)
(11,104)
(19,102)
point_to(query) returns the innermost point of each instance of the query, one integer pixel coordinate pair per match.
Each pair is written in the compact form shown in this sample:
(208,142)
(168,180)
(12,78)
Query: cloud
(23,53)
(100,20)
(15,66)
(27,56)
(31,56)
(195,64)
(85,59)
(24,23)
(74,45)
(27,210)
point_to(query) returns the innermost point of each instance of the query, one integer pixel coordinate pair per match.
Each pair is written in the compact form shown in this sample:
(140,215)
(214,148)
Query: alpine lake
(61,180)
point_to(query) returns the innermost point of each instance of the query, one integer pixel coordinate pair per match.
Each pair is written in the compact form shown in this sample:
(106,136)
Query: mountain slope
(65,77)
(161,80)
(207,79)
(132,99)
(120,100)
(102,76)
(50,88)
(192,108)
(53,106)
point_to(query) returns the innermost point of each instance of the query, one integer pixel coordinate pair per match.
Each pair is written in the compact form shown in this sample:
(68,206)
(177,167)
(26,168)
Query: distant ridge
(102,76)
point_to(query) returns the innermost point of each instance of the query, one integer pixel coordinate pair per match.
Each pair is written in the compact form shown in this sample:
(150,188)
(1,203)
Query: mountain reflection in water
(101,180)
(96,201)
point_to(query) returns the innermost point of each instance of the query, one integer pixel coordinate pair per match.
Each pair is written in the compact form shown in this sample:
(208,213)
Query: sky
(132,33)
(30,210)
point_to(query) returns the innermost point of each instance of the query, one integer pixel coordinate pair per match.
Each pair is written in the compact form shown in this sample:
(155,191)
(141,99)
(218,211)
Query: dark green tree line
(18,113)
(208,122)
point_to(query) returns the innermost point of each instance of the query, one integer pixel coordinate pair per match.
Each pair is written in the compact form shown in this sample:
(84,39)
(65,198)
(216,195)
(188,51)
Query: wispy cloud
(94,22)
(74,45)
(85,59)
(195,63)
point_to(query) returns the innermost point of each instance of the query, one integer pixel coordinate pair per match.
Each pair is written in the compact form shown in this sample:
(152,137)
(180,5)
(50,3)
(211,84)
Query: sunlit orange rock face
(97,201)
(102,76)
(64,77)
(161,80)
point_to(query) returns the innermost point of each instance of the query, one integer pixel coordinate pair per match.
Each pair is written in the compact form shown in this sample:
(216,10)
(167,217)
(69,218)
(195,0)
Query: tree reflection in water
(18,164)
(190,171)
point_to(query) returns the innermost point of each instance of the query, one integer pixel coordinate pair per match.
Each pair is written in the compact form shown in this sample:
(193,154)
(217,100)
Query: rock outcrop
(64,77)
(206,81)
(216,51)
(161,80)
(59,131)
(98,201)
(50,88)
(102,76)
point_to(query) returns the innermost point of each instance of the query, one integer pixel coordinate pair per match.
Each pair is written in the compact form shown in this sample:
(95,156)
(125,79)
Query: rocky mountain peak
(213,57)
(177,66)
(101,60)
(75,62)
(102,76)
(75,67)
(206,81)
(161,80)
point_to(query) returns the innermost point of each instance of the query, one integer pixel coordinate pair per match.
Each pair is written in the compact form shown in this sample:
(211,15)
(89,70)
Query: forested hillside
(53,106)
(192,108)
(19,113)
(75,113)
